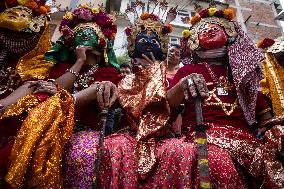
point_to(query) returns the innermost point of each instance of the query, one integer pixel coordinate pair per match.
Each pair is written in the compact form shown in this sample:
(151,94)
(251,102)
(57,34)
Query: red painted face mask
(212,36)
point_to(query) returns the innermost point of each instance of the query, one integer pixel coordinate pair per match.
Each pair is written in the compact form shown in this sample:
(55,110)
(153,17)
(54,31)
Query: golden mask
(16,18)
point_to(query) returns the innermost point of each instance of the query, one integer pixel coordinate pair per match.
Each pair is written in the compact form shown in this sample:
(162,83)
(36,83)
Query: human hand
(81,52)
(194,85)
(40,86)
(268,124)
(145,61)
(106,94)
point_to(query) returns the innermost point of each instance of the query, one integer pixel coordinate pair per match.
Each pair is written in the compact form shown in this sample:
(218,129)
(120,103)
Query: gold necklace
(228,108)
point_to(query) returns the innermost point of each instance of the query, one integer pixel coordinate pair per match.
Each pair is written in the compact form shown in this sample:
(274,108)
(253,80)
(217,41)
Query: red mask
(212,36)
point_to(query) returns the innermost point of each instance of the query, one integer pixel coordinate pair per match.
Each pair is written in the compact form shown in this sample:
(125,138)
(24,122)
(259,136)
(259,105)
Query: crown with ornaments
(210,15)
(35,7)
(152,15)
(83,18)
(87,17)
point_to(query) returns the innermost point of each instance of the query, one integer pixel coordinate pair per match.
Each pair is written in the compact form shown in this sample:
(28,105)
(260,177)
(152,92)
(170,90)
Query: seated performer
(233,113)
(24,35)
(90,33)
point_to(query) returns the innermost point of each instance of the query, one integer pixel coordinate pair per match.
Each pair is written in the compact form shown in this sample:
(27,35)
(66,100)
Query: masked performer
(90,33)
(132,155)
(24,35)
(272,84)
(229,62)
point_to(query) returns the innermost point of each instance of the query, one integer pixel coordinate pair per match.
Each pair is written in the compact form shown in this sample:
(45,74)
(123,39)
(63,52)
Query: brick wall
(261,23)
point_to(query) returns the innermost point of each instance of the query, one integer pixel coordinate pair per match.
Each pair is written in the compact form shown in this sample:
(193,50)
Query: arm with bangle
(67,80)
(105,93)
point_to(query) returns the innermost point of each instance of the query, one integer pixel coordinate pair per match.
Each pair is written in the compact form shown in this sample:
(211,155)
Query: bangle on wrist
(51,80)
(76,74)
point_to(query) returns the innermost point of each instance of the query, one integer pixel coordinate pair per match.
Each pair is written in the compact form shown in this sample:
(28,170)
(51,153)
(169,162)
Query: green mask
(86,37)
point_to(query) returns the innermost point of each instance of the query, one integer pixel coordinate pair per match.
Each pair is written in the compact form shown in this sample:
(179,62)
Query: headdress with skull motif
(152,15)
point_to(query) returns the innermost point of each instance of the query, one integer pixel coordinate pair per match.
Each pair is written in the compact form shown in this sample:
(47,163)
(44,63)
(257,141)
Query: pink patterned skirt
(236,160)
(79,159)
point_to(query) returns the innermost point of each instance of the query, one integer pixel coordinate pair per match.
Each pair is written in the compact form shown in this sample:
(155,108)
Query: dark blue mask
(148,41)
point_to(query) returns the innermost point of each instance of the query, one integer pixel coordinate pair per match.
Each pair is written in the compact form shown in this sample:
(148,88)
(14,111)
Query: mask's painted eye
(154,41)
(143,40)
(203,31)
(215,28)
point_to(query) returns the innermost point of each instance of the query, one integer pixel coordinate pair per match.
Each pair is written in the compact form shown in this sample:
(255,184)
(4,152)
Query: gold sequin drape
(143,97)
(35,160)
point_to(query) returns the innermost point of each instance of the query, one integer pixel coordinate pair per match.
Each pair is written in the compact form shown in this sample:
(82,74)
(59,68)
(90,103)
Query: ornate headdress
(154,16)
(37,10)
(82,18)
(209,16)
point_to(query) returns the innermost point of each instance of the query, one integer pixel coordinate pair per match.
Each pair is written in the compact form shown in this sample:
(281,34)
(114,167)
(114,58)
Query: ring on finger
(189,81)
(99,89)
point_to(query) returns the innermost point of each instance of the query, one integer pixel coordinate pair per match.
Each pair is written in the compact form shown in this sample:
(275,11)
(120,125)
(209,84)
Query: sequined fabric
(142,96)
(236,158)
(176,165)
(273,86)
(24,104)
(37,152)
(232,134)
(79,159)
(273,83)
(33,64)
(244,59)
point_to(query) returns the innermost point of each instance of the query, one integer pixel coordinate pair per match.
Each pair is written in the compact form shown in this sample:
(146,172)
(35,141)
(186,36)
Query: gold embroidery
(272,84)
(228,108)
